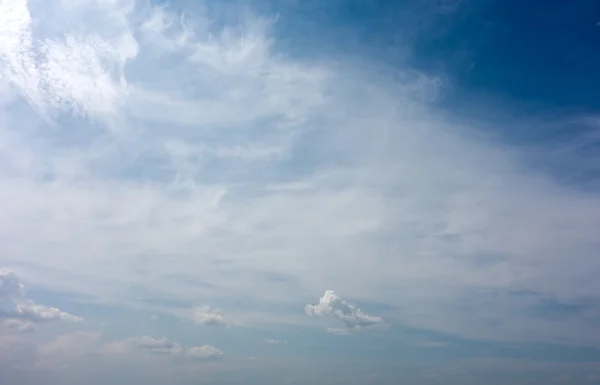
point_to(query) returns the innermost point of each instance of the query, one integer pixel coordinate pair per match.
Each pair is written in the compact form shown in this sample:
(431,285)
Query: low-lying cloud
(20,313)
(331,305)
(205,315)
(175,349)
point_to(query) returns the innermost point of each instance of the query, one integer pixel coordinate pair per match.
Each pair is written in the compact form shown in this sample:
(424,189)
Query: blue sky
(299,192)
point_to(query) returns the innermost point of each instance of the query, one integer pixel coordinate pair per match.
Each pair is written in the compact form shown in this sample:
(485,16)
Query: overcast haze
(299,192)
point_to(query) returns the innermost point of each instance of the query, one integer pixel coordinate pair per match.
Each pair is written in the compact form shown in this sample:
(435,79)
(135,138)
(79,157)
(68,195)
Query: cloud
(337,331)
(204,352)
(10,285)
(331,305)
(15,325)
(186,159)
(272,341)
(67,348)
(176,350)
(59,353)
(70,74)
(18,311)
(159,346)
(16,353)
(205,315)
(36,312)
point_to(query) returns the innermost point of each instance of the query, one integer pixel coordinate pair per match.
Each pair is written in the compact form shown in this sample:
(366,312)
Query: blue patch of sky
(527,68)
(544,51)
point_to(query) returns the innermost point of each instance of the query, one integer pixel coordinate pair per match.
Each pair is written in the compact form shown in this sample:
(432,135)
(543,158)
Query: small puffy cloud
(337,331)
(153,317)
(331,305)
(204,352)
(15,306)
(205,315)
(272,341)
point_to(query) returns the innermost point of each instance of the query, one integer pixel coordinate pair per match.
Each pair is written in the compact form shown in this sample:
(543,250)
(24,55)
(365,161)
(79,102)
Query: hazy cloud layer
(146,153)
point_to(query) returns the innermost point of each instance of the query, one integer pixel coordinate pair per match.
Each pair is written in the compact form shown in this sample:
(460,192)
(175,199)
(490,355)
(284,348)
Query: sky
(299,192)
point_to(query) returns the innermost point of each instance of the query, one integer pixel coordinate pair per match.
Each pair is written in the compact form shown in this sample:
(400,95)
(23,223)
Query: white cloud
(159,346)
(337,331)
(151,150)
(205,315)
(204,352)
(78,77)
(37,312)
(272,341)
(81,75)
(176,350)
(331,305)
(16,309)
